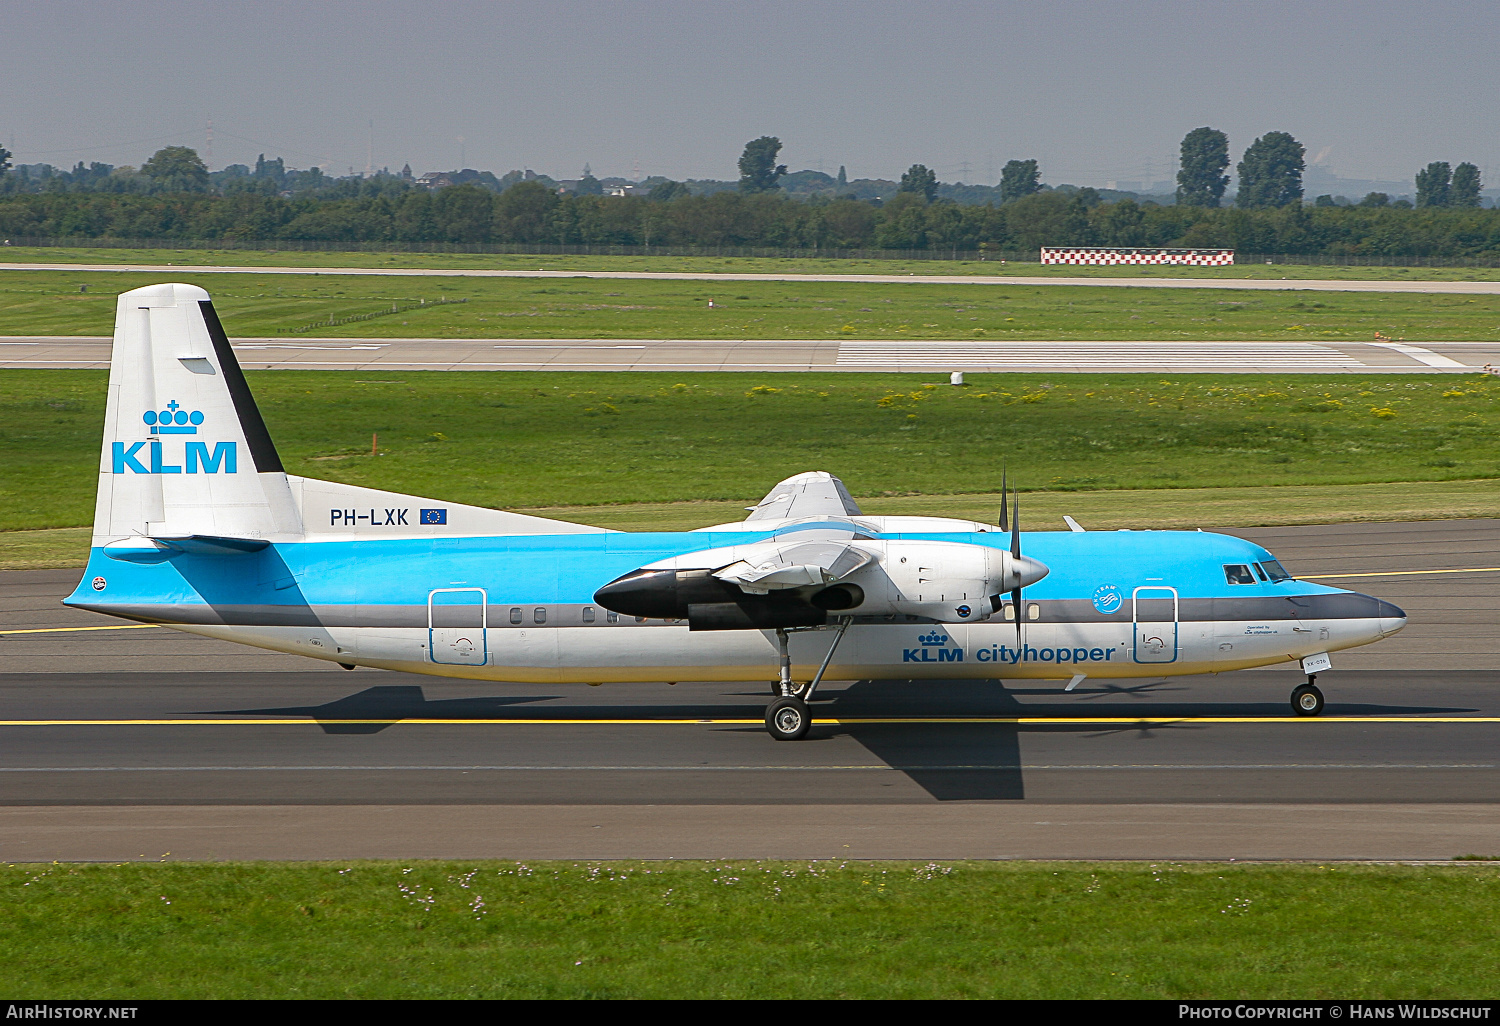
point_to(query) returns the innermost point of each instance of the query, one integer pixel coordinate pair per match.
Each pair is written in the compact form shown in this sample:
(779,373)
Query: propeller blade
(1015,527)
(1015,552)
(1004,513)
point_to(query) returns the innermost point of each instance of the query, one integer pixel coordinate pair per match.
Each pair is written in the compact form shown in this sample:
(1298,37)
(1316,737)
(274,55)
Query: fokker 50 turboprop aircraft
(199,528)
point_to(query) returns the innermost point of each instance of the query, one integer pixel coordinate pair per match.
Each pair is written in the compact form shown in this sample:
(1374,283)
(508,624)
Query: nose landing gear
(1307,700)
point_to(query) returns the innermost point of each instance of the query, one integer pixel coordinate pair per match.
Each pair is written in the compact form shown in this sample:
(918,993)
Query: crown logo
(935,638)
(173,420)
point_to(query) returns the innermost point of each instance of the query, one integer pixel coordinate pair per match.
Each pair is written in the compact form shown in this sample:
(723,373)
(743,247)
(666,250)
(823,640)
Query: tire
(1307,700)
(787,719)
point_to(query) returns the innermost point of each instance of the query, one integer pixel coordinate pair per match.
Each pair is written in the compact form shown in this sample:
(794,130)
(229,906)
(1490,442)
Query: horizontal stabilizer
(211,545)
(158,548)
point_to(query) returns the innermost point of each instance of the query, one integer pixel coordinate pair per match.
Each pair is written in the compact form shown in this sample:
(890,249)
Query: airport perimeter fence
(517,249)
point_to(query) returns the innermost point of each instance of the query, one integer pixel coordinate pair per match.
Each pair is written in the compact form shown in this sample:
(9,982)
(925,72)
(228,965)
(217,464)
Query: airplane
(198,527)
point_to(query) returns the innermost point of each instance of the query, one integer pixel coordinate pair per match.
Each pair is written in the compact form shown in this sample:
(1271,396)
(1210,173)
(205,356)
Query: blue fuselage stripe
(1105,567)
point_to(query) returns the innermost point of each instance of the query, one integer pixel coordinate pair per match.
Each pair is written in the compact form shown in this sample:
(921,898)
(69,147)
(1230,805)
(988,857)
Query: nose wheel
(1307,700)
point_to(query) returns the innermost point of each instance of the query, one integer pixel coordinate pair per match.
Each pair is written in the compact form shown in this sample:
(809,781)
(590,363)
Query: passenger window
(515,614)
(588,614)
(1276,571)
(612,616)
(1238,573)
(1010,611)
(1033,611)
(540,614)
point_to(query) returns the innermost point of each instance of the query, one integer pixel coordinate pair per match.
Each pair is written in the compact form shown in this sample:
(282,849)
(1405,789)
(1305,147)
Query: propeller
(1015,554)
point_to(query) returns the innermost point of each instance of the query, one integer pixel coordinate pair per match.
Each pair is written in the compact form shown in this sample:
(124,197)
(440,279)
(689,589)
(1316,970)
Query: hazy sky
(1096,91)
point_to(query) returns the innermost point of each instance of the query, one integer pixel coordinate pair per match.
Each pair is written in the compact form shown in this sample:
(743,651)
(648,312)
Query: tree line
(530,213)
(272,202)
(1270,175)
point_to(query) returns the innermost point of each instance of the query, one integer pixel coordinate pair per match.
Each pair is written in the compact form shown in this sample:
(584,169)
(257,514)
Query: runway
(136,743)
(1474,288)
(411,354)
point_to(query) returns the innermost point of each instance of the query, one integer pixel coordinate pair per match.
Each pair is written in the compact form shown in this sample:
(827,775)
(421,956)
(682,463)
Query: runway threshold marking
(1400,573)
(737,721)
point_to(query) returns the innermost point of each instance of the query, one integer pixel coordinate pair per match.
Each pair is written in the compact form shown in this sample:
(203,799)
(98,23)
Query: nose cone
(1392,618)
(1028,571)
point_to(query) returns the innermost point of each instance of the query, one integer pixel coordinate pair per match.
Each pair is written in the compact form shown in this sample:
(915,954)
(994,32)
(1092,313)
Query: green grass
(50,303)
(524,440)
(1162,509)
(710,265)
(748,929)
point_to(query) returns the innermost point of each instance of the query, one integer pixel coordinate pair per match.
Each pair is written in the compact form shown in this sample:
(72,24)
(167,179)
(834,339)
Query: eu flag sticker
(434,516)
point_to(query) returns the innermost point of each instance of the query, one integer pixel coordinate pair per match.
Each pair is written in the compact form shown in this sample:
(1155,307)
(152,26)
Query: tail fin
(185,449)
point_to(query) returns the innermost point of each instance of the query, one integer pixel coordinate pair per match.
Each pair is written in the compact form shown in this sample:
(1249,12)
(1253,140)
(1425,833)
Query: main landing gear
(1307,700)
(788,718)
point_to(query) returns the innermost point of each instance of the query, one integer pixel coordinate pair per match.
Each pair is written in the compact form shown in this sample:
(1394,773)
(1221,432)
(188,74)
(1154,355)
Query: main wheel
(787,719)
(1307,700)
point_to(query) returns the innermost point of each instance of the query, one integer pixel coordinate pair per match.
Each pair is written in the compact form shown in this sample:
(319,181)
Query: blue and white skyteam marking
(199,527)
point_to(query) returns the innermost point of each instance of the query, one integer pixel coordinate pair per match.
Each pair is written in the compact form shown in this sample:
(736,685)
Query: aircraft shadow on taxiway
(951,761)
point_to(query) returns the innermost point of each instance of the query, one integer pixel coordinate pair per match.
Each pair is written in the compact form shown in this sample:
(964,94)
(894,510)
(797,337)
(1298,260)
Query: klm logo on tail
(174,420)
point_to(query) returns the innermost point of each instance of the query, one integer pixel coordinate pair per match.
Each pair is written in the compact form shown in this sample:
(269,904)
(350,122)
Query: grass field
(51,303)
(705,264)
(748,929)
(524,440)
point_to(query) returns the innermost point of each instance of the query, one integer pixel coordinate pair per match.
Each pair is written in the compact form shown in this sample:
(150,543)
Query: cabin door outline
(458,626)
(1154,636)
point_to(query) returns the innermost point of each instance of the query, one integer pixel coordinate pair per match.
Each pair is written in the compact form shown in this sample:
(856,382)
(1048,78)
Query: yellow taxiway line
(1400,573)
(737,721)
(67,630)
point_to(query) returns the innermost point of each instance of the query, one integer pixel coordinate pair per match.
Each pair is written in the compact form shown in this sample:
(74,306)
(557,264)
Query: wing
(807,495)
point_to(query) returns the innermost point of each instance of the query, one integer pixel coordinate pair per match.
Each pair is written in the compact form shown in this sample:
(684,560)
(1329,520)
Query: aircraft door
(1155,616)
(457,622)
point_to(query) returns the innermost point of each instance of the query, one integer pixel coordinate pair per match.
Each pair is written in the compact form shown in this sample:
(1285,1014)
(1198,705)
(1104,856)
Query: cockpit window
(1258,571)
(1238,573)
(1276,571)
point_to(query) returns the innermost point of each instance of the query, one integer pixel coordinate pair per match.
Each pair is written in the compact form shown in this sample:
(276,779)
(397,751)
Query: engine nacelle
(787,582)
(951,582)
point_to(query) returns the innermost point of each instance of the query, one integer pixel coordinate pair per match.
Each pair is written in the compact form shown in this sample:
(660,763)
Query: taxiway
(142,742)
